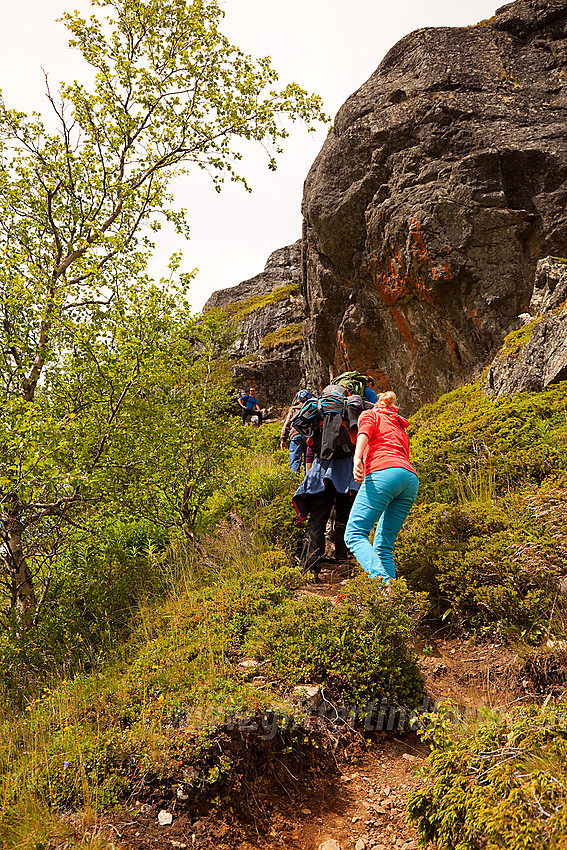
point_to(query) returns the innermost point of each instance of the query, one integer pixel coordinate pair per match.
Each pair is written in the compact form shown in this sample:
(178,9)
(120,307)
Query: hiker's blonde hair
(388,399)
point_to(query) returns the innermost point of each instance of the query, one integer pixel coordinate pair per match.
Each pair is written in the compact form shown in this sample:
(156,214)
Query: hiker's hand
(358,470)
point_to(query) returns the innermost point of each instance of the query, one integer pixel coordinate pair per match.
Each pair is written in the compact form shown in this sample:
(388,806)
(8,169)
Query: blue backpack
(329,422)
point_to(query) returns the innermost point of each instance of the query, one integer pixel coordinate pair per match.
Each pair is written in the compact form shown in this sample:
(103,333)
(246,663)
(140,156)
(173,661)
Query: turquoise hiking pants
(386,497)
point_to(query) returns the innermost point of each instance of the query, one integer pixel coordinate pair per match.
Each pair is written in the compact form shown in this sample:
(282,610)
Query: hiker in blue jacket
(369,393)
(249,406)
(297,442)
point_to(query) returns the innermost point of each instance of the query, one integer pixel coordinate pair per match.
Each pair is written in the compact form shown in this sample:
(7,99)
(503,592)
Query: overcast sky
(327,46)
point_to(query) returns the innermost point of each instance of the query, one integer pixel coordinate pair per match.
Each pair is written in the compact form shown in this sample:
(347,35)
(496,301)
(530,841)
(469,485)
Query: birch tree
(78,205)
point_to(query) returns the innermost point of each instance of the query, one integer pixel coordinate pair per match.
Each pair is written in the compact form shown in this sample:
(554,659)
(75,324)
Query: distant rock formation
(268,312)
(535,355)
(442,184)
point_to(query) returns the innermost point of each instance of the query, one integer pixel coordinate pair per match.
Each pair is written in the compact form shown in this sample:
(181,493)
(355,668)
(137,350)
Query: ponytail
(387,399)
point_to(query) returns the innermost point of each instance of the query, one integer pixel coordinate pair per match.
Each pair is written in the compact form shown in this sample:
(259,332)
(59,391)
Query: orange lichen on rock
(403,327)
(396,279)
(343,347)
(444,273)
(419,248)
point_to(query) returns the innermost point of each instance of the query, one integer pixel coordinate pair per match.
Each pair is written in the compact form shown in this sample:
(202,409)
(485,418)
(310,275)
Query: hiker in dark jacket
(297,442)
(328,484)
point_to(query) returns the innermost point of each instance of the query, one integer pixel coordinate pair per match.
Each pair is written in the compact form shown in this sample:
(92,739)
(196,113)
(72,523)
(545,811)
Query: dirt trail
(362,807)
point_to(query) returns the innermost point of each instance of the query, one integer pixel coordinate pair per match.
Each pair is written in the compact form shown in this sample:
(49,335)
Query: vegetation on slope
(238,309)
(283,336)
(159,707)
(488,541)
(161,712)
(498,783)
(487,538)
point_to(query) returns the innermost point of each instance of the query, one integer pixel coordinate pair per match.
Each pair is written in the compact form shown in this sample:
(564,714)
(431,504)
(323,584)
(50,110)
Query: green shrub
(484,565)
(481,539)
(497,444)
(359,649)
(236,310)
(288,335)
(260,492)
(94,593)
(501,784)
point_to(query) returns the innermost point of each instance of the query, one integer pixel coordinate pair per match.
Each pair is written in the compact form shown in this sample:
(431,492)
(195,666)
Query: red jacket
(388,443)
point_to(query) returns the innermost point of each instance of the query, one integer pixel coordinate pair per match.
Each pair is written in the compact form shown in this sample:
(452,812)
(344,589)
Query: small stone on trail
(409,757)
(248,664)
(355,818)
(331,844)
(165,818)
(308,695)
(360,844)
(345,778)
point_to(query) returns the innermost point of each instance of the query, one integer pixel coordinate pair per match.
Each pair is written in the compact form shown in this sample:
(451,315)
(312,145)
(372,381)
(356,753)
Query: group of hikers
(353,447)
(351,443)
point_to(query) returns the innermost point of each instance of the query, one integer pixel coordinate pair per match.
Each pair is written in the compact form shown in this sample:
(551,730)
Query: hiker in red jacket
(389,487)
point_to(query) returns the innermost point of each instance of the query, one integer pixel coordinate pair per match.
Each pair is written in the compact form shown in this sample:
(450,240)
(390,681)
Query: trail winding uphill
(355,796)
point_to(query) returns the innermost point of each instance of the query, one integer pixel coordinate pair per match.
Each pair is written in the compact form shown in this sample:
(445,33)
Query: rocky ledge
(535,355)
(268,312)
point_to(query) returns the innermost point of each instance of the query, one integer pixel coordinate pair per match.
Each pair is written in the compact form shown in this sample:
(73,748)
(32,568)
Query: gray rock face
(441,185)
(536,355)
(268,317)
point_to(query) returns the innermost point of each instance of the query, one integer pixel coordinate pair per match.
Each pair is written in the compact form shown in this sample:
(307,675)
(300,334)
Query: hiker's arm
(286,427)
(358,465)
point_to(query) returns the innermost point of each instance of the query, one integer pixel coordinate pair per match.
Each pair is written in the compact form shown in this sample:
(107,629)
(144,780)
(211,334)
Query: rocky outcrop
(441,185)
(535,355)
(268,312)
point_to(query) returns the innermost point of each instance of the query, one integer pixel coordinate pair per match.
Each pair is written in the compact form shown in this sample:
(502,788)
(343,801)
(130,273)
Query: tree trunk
(23,594)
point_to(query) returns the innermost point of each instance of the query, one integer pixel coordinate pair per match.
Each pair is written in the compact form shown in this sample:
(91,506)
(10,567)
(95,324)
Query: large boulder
(441,185)
(267,312)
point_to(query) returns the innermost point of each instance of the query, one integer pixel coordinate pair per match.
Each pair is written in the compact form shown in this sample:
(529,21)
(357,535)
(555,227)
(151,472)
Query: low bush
(482,539)
(501,783)
(260,492)
(468,445)
(484,565)
(359,649)
(94,593)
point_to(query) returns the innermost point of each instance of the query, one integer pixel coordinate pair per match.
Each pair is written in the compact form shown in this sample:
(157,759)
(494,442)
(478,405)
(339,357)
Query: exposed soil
(357,799)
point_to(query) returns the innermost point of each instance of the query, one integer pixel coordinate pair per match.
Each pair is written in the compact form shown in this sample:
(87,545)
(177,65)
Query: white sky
(327,46)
